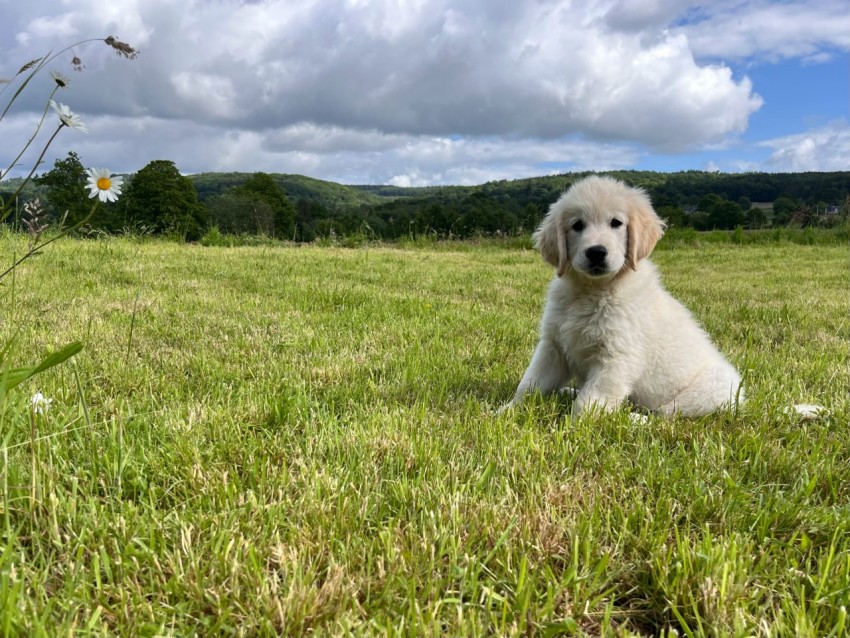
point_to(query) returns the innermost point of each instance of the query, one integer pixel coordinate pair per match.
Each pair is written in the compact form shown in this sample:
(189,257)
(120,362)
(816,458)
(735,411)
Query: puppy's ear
(645,228)
(551,240)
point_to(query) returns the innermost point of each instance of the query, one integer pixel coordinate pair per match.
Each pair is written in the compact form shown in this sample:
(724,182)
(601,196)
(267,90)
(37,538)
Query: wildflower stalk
(37,247)
(105,188)
(123,49)
(35,133)
(20,88)
(32,68)
(33,458)
(5,210)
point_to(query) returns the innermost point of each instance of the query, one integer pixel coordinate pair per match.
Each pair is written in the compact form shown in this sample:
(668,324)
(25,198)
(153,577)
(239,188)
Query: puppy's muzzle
(596,256)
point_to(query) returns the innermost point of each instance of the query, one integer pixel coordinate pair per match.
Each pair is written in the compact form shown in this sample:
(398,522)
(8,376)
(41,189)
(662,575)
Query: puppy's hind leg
(716,391)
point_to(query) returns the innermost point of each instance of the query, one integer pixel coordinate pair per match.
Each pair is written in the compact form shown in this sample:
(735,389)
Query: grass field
(279,440)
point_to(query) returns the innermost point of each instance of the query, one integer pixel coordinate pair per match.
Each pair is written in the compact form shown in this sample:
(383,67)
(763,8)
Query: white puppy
(608,323)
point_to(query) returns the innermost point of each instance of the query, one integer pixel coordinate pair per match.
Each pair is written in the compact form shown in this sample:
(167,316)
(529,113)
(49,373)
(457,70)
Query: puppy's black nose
(596,254)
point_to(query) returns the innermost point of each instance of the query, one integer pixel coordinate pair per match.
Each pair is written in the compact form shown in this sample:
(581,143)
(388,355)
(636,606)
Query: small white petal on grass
(636,418)
(806,411)
(40,403)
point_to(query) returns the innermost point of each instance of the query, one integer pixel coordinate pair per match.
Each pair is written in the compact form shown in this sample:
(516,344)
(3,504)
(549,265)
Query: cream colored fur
(608,324)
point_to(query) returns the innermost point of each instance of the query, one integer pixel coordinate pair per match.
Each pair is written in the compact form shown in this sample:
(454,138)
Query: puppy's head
(599,227)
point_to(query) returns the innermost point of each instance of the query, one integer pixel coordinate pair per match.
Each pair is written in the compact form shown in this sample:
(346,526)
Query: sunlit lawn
(270,440)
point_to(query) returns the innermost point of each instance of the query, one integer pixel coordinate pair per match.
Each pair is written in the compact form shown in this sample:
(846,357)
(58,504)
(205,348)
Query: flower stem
(35,133)
(5,213)
(32,251)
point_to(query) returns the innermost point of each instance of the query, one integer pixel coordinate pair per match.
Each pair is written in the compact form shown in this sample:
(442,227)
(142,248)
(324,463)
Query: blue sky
(798,97)
(419,92)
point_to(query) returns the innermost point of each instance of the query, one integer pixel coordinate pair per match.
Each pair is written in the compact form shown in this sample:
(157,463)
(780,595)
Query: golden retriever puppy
(608,324)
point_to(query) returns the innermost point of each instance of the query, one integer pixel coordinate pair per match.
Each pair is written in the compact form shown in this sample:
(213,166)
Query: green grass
(289,440)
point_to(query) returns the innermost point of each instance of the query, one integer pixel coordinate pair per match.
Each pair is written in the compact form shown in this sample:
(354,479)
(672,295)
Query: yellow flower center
(104,183)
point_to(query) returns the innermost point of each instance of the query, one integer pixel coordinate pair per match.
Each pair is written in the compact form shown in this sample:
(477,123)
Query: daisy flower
(61,81)
(68,118)
(102,184)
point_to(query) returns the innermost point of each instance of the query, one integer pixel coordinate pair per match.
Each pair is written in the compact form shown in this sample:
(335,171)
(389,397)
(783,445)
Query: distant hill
(330,195)
(695,199)
(684,188)
(681,188)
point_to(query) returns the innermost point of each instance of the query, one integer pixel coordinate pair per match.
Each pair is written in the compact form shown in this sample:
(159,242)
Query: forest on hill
(695,199)
(158,199)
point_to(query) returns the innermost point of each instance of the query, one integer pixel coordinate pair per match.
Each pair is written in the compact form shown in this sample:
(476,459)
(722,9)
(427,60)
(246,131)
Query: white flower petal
(110,194)
(40,403)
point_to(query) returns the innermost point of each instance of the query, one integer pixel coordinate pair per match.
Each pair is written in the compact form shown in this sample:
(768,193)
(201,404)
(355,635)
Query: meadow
(281,440)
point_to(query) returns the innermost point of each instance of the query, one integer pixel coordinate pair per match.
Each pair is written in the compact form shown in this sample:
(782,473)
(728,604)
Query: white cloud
(52,27)
(769,31)
(351,156)
(825,148)
(428,91)
(211,95)
(415,67)
(628,15)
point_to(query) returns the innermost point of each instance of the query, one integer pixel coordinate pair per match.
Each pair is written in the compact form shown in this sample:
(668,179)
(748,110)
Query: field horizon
(282,440)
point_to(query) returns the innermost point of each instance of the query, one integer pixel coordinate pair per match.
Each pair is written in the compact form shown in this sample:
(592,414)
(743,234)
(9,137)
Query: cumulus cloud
(825,148)
(416,91)
(358,157)
(417,67)
(769,31)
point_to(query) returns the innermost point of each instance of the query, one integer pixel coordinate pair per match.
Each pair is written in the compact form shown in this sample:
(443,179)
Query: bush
(214,237)
(686,236)
(162,199)
(738,236)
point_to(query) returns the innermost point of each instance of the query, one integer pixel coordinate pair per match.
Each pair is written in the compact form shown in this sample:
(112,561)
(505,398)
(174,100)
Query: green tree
(162,200)
(708,202)
(66,191)
(725,215)
(237,214)
(307,215)
(673,215)
(531,217)
(783,210)
(263,187)
(756,218)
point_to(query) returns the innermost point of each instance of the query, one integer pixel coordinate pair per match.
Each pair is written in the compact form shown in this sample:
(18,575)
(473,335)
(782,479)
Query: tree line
(158,200)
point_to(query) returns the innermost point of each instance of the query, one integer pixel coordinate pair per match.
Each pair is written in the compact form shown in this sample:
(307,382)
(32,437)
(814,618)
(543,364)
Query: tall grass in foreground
(267,440)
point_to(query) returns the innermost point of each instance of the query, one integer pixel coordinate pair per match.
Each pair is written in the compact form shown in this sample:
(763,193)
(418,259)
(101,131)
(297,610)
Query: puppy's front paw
(567,391)
(592,403)
(510,405)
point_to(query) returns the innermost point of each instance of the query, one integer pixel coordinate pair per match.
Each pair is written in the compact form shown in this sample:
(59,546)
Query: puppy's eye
(616,223)
(578,226)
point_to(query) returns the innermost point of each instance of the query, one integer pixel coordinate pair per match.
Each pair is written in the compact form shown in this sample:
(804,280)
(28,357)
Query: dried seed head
(77,64)
(122,48)
(33,207)
(33,220)
(29,65)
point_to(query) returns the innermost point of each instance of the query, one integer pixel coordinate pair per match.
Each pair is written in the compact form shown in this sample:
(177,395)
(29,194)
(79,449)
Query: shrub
(214,237)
